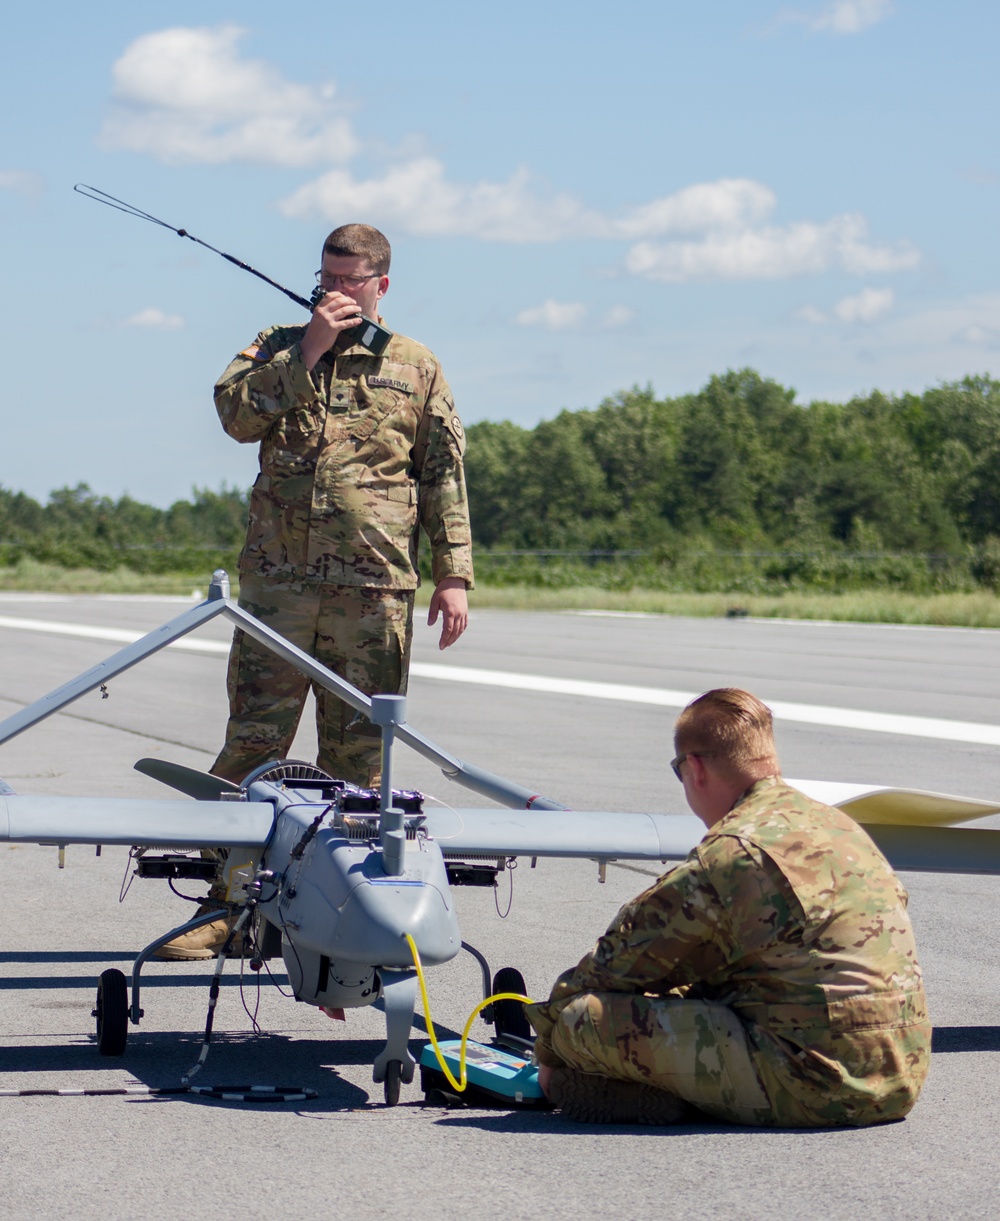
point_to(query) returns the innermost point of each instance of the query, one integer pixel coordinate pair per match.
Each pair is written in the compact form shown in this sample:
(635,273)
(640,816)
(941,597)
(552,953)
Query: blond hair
(732,727)
(363,242)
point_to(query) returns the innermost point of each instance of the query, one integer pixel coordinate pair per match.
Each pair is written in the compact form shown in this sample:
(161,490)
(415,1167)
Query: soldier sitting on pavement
(769,979)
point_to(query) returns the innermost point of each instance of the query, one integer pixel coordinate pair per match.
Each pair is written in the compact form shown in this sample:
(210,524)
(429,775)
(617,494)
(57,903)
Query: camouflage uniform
(771,978)
(355,456)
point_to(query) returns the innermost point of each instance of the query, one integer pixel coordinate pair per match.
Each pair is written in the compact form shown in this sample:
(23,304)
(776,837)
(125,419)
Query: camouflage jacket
(789,914)
(354,457)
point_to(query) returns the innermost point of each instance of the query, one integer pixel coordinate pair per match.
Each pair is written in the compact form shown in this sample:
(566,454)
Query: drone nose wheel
(509,1016)
(393,1076)
(112,1013)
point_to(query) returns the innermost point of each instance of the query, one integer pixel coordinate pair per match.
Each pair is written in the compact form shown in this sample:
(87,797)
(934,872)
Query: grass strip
(979,608)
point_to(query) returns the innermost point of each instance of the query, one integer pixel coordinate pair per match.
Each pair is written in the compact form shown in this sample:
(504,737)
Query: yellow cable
(459,1085)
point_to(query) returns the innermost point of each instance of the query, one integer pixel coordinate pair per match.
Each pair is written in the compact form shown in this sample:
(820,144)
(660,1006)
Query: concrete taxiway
(344,1151)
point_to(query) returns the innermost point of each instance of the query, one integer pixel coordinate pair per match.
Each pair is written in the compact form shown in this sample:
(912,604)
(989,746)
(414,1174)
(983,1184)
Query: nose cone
(373,921)
(344,906)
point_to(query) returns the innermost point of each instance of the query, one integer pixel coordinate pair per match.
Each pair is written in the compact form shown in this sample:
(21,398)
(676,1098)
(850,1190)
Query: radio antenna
(371,334)
(120,205)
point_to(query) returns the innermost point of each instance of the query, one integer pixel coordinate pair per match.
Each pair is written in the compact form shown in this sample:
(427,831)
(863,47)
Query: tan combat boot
(589,1098)
(206,941)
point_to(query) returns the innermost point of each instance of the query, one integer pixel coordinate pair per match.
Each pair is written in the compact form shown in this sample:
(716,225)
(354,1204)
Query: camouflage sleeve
(675,933)
(260,385)
(442,500)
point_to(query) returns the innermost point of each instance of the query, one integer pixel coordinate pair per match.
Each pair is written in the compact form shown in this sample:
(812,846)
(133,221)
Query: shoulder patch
(392,383)
(456,426)
(254,352)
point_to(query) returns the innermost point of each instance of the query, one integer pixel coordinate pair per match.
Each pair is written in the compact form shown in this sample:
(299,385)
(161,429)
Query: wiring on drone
(510,865)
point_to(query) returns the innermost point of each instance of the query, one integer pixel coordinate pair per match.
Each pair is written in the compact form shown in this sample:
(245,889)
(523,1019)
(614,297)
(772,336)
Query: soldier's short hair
(361,241)
(731,725)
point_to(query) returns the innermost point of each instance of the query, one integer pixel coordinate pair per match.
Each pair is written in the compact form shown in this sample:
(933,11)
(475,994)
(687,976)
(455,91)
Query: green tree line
(735,486)
(740,485)
(77,529)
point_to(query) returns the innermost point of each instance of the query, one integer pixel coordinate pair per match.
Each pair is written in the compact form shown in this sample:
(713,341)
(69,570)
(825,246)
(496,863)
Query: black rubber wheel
(509,1016)
(112,1013)
(393,1077)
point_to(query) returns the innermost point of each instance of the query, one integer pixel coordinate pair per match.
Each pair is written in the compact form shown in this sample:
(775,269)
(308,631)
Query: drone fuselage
(342,917)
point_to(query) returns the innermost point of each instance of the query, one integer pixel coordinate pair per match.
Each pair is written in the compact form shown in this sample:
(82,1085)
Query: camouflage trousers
(695,1049)
(360,634)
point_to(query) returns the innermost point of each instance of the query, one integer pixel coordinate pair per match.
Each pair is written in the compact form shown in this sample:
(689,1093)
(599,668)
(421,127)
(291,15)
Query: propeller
(202,786)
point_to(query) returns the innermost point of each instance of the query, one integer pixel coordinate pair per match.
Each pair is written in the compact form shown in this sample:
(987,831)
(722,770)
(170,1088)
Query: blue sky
(580,198)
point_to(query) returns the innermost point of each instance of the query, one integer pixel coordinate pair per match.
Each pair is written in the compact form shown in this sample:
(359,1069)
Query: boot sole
(588,1098)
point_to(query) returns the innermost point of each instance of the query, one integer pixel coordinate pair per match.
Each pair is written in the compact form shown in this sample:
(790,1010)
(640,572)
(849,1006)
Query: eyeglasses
(675,764)
(323,278)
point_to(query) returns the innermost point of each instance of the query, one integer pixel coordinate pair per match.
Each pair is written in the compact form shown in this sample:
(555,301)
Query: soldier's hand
(335,313)
(451,600)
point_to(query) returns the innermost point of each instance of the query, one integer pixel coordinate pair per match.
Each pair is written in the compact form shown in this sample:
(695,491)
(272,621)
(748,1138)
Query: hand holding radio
(333,312)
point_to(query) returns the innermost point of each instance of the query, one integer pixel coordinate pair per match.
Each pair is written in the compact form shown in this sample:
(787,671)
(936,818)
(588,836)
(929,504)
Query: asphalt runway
(344,1151)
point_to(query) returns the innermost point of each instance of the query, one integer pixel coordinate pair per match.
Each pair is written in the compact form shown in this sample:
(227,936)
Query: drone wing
(126,820)
(901,822)
(567,833)
(867,803)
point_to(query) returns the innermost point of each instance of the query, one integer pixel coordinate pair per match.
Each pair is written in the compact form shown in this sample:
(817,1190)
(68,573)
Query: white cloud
(841,16)
(553,315)
(186,95)
(851,16)
(619,315)
(567,315)
(866,306)
(978,336)
(22,182)
(154,320)
(771,253)
(418,198)
(918,345)
(729,203)
(727,239)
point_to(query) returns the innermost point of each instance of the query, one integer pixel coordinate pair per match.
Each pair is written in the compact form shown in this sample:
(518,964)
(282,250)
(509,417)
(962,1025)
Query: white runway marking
(805,714)
(765,621)
(86,631)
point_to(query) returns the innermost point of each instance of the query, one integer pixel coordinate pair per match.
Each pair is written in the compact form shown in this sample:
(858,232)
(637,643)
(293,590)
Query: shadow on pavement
(235,1060)
(66,956)
(552,1123)
(39,983)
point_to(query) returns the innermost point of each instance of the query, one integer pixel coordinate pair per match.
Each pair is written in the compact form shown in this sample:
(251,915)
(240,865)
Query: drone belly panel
(318,979)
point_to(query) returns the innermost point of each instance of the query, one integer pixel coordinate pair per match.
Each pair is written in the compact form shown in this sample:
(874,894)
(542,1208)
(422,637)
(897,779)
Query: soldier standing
(769,979)
(357,453)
